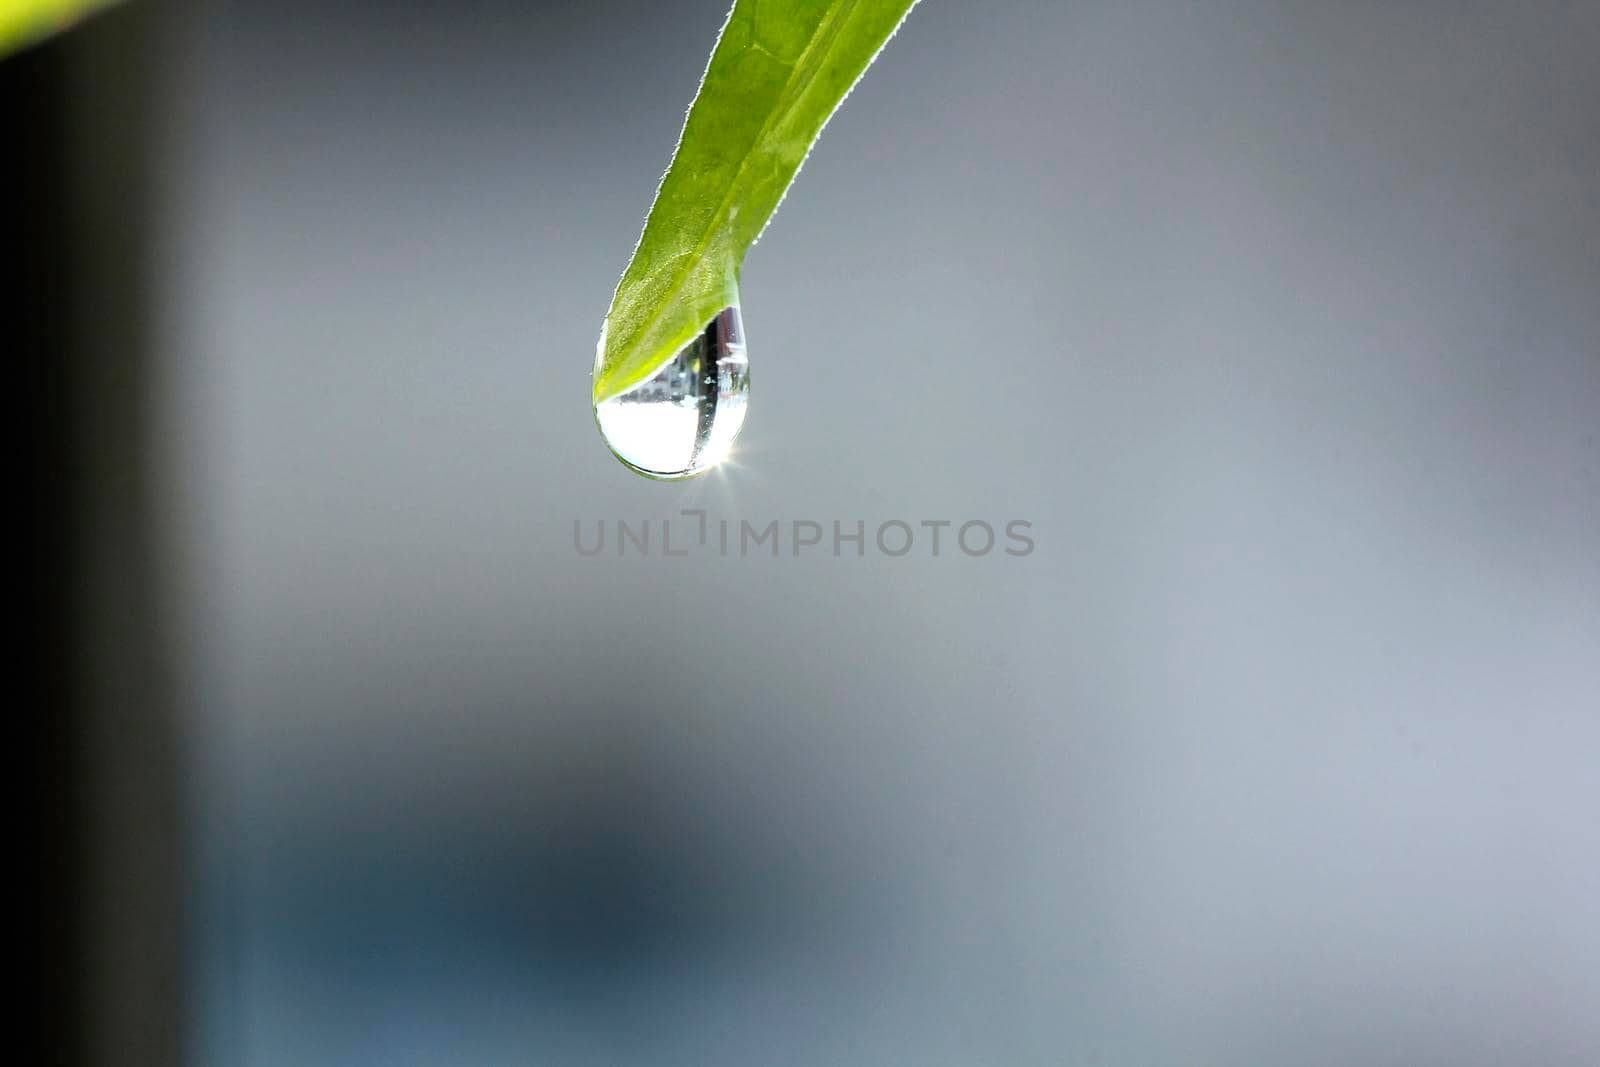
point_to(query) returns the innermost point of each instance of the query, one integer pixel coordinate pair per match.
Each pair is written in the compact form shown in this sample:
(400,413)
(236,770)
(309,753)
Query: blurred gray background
(1281,324)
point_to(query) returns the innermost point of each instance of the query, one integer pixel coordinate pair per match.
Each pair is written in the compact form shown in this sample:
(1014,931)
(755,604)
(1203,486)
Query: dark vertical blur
(100,751)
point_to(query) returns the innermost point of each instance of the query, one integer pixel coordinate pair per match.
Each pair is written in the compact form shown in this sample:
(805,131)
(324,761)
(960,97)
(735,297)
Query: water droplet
(683,421)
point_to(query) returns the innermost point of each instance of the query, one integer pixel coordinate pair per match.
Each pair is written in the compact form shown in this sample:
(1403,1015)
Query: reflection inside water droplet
(683,420)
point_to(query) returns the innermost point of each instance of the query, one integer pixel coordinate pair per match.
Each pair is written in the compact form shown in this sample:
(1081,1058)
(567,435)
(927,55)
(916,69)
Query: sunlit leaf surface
(23,22)
(778,71)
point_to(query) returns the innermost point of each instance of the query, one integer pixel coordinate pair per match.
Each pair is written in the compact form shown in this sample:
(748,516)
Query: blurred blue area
(1276,321)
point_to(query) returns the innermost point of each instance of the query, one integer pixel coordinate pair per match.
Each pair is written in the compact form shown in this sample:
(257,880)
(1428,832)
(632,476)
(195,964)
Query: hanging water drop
(683,420)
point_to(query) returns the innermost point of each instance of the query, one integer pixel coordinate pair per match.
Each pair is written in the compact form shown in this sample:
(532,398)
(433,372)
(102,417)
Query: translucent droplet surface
(683,421)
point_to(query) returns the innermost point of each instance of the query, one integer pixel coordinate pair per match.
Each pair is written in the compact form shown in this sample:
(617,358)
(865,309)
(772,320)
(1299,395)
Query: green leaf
(778,71)
(22,22)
